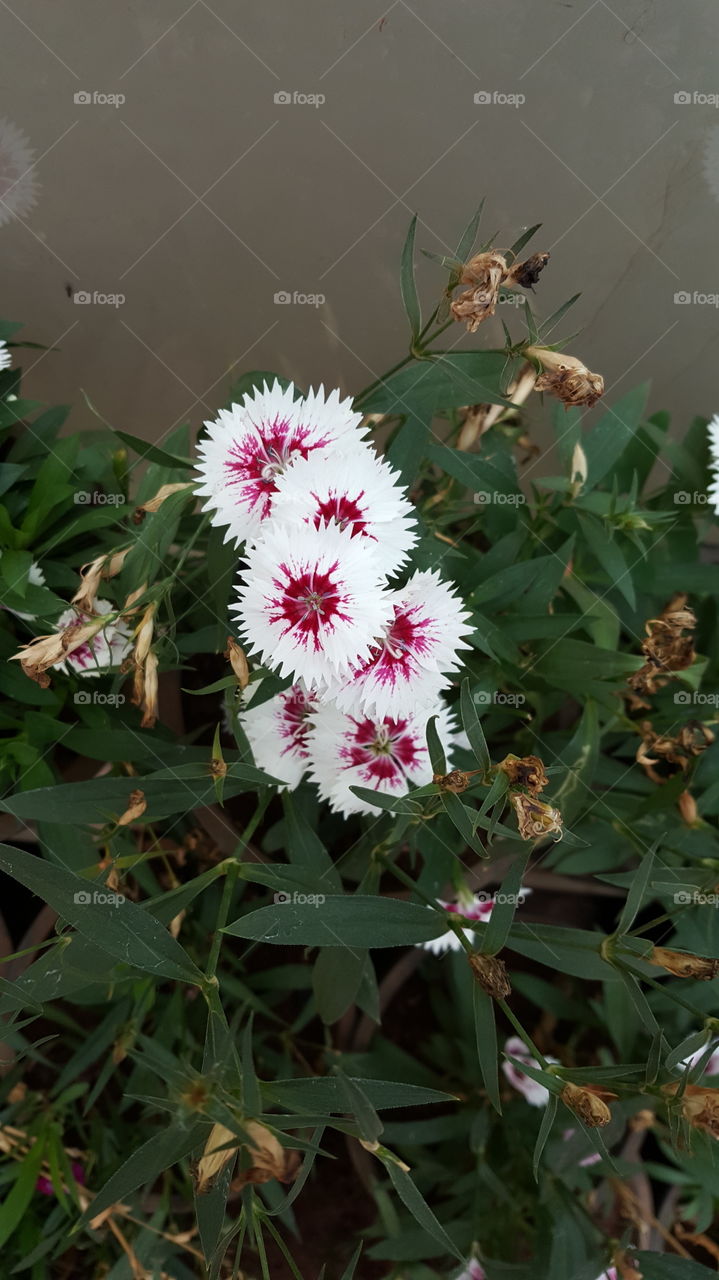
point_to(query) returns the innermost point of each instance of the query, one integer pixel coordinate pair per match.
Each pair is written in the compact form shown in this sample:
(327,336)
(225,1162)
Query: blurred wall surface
(191,190)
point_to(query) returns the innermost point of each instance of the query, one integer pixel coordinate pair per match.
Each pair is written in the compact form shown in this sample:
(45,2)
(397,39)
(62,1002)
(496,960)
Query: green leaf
(464,820)
(545,1129)
(503,912)
(18,1199)
(473,728)
(486,1034)
(160,1152)
(359,1105)
(393,804)
(469,235)
(407,282)
(637,890)
(322,1094)
(123,931)
(434,747)
(525,238)
(105,799)
(152,453)
(336,979)
(663,1266)
(353,920)
(606,442)
(465,377)
(418,1207)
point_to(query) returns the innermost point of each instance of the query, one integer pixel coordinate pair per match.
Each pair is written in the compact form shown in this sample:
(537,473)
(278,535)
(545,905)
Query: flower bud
(588,1102)
(144,633)
(154,504)
(236,657)
(149,695)
(491,974)
(136,807)
(682,964)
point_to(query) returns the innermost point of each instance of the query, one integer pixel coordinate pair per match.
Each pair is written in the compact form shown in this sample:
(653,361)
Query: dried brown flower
(679,749)
(149,692)
(457,781)
(46,651)
(589,1103)
(687,807)
(268,1158)
(154,504)
(682,964)
(667,649)
(491,974)
(137,805)
(566,377)
(527,273)
(535,817)
(484,273)
(93,574)
(700,1106)
(525,771)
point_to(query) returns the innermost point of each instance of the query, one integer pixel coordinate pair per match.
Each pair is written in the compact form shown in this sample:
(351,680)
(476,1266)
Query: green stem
(523,1035)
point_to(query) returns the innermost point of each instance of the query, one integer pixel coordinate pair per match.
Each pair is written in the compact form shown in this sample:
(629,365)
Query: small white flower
(381,754)
(18,184)
(311,603)
(407,668)
(5,356)
(712,1065)
(278,731)
(534,1092)
(108,648)
(251,444)
(359,492)
(713,433)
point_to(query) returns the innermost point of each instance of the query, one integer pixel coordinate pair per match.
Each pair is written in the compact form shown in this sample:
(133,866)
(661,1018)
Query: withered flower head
(535,817)
(47,651)
(268,1158)
(700,1106)
(154,504)
(137,805)
(484,273)
(491,974)
(687,807)
(682,964)
(457,781)
(589,1103)
(693,738)
(667,649)
(149,692)
(566,377)
(527,273)
(93,574)
(524,771)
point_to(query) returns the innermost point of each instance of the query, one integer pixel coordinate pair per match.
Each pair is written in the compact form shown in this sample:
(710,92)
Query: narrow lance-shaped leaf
(408,284)
(487,1052)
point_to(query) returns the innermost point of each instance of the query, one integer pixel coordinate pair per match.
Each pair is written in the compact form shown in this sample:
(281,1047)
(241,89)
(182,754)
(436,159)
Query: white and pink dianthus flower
(383,754)
(534,1092)
(408,665)
(359,492)
(278,732)
(312,601)
(251,444)
(5,356)
(473,906)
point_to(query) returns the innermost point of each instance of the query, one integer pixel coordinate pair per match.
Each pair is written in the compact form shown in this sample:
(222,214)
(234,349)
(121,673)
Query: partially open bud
(524,771)
(93,574)
(143,634)
(535,817)
(484,273)
(683,965)
(491,974)
(566,377)
(236,657)
(588,1102)
(687,807)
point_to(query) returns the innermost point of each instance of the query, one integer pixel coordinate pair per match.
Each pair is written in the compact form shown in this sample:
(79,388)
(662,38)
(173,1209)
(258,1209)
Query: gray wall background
(201,197)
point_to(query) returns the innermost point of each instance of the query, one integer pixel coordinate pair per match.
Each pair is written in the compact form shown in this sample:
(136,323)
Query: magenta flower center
(258,458)
(344,510)
(384,752)
(309,603)
(295,725)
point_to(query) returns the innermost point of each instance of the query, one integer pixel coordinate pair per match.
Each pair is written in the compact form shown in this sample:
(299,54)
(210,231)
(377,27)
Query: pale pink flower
(278,731)
(359,491)
(474,906)
(249,446)
(534,1092)
(473,1271)
(407,667)
(711,1067)
(311,603)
